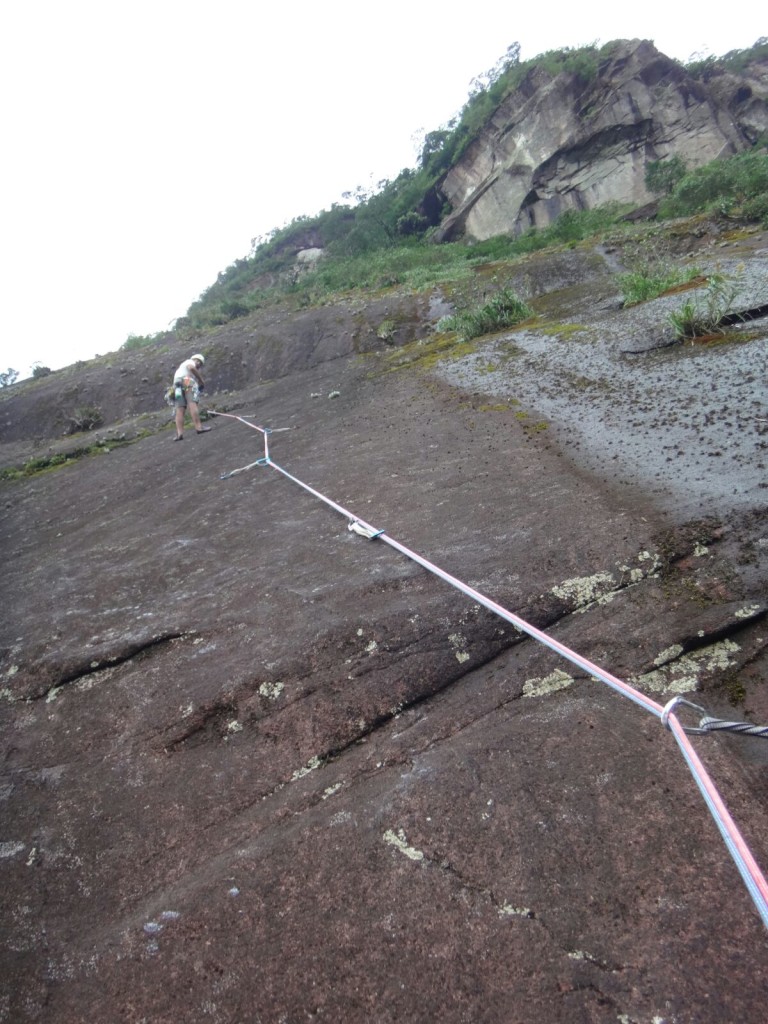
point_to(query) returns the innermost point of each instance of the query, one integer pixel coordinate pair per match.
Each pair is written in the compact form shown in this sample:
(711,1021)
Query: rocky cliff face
(560,144)
(256,767)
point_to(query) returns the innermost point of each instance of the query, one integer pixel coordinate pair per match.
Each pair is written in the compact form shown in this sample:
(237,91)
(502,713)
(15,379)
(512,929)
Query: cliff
(568,142)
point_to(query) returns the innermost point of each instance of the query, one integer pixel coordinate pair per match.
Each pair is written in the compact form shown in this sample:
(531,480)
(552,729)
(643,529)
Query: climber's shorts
(184,391)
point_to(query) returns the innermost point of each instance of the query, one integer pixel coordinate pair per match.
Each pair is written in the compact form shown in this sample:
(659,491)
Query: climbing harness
(752,876)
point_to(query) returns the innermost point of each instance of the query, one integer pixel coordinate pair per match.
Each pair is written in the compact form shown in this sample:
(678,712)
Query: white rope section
(748,868)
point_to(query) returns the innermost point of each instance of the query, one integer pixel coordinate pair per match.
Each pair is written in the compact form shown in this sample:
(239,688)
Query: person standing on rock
(187,385)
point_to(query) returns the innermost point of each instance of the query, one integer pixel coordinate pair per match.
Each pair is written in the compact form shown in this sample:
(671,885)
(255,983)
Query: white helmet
(199,359)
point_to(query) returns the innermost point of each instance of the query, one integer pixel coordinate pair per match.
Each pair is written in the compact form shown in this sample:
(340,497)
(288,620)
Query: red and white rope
(748,868)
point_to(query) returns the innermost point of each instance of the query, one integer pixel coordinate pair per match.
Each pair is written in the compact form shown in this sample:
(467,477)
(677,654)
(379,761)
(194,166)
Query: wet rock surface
(684,424)
(258,767)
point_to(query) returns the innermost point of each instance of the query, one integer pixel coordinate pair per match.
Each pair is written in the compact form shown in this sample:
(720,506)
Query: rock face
(257,767)
(558,143)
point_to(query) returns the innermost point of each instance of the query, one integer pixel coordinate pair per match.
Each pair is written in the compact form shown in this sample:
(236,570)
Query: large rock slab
(258,767)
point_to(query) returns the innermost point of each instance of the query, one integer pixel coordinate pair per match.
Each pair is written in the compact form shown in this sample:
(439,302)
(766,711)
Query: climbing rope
(752,876)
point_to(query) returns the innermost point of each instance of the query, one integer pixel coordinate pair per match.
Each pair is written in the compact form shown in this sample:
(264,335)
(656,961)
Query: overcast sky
(147,142)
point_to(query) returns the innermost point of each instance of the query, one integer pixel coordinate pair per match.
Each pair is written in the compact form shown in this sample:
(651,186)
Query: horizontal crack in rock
(108,662)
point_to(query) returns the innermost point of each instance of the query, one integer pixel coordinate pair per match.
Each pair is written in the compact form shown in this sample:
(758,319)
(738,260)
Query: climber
(187,385)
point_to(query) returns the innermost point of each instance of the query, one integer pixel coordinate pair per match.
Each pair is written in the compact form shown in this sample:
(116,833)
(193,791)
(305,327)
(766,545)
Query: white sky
(146,142)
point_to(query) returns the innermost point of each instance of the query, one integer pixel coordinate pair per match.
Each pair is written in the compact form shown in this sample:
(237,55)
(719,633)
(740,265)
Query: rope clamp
(364,531)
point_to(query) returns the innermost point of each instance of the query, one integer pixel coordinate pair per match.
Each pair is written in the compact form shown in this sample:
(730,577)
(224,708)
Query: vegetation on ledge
(380,238)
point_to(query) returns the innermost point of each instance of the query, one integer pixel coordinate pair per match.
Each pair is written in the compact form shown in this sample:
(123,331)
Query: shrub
(582,63)
(574,226)
(134,341)
(699,319)
(386,330)
(84,418)
(757,209)
(640,286)
(38,370)
(725,186)
(505,309)
(661,176)
(734,61)
(8,377)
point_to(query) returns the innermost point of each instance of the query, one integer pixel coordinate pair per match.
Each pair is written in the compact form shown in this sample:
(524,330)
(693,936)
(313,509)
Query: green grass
(383,238)
(45,463)
(703,317)
(734,186)
(505,309)
(640,286)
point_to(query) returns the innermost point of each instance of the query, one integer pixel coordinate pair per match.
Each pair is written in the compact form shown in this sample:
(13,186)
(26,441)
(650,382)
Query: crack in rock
(108,663)
(682,674)
(584,592)
(678,668)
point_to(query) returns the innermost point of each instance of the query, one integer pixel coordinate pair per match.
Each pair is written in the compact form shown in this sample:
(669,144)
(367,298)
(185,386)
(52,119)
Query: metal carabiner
(669,709)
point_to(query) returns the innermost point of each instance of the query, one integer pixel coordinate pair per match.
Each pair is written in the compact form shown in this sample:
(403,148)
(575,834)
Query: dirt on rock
(260,768)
